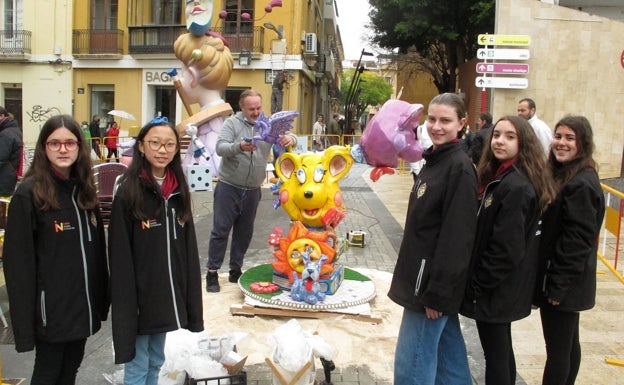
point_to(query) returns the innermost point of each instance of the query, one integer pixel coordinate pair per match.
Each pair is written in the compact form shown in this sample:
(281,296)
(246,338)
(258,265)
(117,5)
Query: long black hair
(131,178)
(44,186)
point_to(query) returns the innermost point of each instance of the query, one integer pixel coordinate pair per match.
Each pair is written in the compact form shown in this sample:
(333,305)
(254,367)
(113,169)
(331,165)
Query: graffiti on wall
(41,114)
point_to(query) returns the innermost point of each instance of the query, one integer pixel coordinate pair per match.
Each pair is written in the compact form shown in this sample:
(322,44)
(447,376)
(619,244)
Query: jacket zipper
(168,230)
(545,276)
(44,319)
(420,275)
(89,237)
(84,261)
(173,219)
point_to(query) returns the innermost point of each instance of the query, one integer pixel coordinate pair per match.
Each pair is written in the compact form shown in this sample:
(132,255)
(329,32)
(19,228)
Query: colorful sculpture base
(329,283)
(356,289)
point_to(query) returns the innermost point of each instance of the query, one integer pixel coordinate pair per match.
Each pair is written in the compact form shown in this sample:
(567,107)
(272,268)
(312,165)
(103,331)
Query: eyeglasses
(155,145)
(55,145)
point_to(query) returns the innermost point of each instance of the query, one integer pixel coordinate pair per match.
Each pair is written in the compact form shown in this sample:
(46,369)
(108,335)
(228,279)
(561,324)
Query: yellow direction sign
(485,39)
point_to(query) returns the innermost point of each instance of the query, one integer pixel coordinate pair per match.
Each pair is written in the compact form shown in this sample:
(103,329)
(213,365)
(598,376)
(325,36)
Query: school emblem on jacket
(488,201)
(421,190)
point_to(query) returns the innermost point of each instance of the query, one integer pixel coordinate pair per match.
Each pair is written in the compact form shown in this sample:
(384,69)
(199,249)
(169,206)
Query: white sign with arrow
(501,82)
(503,54)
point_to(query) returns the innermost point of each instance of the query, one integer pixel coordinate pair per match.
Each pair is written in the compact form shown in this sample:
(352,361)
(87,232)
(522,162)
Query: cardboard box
(233,379)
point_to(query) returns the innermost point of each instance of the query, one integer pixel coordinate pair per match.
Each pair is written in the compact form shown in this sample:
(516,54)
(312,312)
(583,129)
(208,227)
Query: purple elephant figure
(388,136)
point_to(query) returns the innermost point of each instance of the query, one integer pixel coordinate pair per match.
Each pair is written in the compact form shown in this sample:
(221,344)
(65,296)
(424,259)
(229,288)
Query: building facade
(88,57)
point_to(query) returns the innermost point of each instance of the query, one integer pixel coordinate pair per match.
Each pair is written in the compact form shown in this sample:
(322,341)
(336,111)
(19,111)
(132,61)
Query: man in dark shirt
(11,145)
(94,129)
(277,91)
(479,139)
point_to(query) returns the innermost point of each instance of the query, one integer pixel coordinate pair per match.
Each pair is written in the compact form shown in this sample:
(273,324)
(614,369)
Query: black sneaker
(212,282)
(235,275)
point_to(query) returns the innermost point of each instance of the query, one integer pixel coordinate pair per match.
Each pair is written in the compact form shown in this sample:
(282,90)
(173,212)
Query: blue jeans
(234,210)
(430,351)
(149,357)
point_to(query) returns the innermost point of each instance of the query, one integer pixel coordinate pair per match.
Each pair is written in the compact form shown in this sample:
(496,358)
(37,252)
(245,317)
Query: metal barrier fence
(184,144)
(609,246)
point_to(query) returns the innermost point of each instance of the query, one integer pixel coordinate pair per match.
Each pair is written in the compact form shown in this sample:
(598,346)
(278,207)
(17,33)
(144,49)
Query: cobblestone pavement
(376,209)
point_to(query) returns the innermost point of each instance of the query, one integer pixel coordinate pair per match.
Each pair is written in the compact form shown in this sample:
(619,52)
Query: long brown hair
(45,189)
(530,161)
(563,172)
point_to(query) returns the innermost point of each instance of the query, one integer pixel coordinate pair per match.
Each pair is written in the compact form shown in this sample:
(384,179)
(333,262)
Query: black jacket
(432,265)
(10,155)
(155,273)
(504,258)
(94,129)
(570,230)
(55,268)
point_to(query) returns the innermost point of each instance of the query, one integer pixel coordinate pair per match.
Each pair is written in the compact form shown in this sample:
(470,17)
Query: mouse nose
(308,194)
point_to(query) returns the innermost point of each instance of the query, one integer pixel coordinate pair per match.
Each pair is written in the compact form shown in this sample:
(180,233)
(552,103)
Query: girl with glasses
(155,273)
(54,254)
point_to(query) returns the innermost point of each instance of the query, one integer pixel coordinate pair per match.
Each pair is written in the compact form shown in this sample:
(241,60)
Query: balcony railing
(97,41)
(14,42)
(154,38)
(248,38)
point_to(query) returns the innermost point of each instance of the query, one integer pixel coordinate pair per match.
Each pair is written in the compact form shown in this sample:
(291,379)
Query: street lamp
(244,58)
(356,76)
(279,30)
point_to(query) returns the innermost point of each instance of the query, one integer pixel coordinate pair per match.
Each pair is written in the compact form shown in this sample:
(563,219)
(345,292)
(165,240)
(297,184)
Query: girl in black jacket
(514,188)
(155,273)
(431,270)
(567,278)
(54,254)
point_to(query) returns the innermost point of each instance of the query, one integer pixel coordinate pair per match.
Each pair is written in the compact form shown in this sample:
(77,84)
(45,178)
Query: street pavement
(378,209)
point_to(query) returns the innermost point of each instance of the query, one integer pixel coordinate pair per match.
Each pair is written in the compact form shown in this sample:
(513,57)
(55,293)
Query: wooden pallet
(251,311)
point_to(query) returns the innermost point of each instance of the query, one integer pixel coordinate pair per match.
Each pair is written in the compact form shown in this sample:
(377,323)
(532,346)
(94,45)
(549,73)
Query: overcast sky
(352,16)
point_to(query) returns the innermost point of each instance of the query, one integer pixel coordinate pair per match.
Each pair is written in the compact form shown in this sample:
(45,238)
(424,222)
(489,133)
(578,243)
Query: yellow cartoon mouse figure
(310,191)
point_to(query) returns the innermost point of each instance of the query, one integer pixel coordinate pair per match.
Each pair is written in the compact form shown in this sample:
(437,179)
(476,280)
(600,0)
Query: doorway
(232,96)
(165,103)
(13,104)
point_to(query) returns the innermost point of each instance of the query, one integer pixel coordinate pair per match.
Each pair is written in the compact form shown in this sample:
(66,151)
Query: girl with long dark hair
(155,273)
(571,226)
(55,256)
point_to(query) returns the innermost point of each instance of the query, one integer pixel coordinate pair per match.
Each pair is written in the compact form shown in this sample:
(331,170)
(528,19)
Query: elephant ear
(409,119)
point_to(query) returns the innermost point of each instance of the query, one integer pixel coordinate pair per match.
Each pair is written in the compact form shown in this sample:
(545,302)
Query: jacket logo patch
(149,223)
(421,190)
(63,226)
(488,201)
